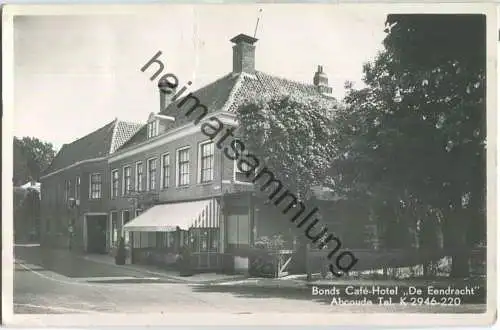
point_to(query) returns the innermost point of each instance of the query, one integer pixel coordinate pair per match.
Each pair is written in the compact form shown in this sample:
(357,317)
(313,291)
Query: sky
(74,74)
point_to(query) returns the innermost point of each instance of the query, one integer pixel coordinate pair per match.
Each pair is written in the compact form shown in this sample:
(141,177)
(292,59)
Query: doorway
(96,233)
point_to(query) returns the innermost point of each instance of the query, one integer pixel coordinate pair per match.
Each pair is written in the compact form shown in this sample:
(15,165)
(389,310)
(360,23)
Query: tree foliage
(414,137)
(31,158)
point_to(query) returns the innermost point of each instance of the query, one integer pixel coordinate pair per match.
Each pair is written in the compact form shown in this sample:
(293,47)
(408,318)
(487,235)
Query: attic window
(152,129)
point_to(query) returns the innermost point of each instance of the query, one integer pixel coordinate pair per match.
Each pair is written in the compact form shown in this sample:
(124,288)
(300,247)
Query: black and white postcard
(259,164)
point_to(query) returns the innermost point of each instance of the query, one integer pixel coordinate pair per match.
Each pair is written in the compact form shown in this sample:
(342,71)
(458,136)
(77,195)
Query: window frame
(165,183)
(153,128)
(77,187)
(113,195)
(139,185)
(148,173)
(200,161)
(126,192)
(236,170)
(235,232)
(178,166)
(100,185)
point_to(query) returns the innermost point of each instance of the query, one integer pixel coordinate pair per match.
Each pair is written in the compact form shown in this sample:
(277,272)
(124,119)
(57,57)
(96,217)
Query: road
(47,283)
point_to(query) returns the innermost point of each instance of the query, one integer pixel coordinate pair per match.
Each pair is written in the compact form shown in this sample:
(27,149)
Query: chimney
(167,86)
(320,80)
(243,53)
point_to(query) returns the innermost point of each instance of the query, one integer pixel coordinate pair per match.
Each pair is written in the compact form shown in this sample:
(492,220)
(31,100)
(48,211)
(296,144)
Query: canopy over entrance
(186,215)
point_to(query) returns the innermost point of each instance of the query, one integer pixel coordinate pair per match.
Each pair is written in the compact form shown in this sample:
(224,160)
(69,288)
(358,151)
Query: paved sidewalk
(299,281)
(204,278)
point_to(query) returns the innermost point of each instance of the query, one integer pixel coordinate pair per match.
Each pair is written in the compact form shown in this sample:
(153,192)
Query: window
(240,176)
(204,239)
(139,172)
(67,190)
(95,186)
(152,129)
(114,183)
(206,162)
(114,228)
(165,170)
(77,188)
(125,217)
(183,166)
(238,229)
(127,180)
(165,240)
(152,174)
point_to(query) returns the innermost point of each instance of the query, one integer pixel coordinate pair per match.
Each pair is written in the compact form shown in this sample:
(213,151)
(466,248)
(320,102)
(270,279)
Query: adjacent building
(74,189)
(187,193)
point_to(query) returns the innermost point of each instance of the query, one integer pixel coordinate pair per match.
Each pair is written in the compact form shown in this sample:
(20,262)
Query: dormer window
(153,128)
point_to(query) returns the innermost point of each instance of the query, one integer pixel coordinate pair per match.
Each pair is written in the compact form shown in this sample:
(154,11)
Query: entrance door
(96,233)
(238,239)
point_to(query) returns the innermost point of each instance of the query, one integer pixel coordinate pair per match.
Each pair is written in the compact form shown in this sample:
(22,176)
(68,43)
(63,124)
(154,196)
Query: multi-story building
(172,186)
(75,193)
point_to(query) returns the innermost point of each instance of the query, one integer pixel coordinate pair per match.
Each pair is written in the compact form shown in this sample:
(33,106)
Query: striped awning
(169,217)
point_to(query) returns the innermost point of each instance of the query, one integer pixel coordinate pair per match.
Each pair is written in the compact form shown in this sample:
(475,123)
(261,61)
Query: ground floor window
(204,239)
(125,220)
(114,228)
(166,240)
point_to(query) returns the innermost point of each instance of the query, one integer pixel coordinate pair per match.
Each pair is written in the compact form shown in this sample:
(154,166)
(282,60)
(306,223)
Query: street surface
(60,282)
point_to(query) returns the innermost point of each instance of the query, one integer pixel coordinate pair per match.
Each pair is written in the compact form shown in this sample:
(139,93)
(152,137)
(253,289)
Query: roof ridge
(116,141)
(89,134)
(129,122)
(206,85)
(215,81)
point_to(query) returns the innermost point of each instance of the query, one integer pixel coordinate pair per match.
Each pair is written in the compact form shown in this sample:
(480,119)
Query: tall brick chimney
(243,53)
(320,80)
(167,86)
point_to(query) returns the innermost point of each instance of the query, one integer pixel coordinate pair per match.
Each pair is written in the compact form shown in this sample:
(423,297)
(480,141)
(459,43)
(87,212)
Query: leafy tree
(31,158)
(414,138)
(292,136)
(26,213)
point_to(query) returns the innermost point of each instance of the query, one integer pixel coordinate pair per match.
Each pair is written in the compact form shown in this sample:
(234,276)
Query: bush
(263,263)
(273,243)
